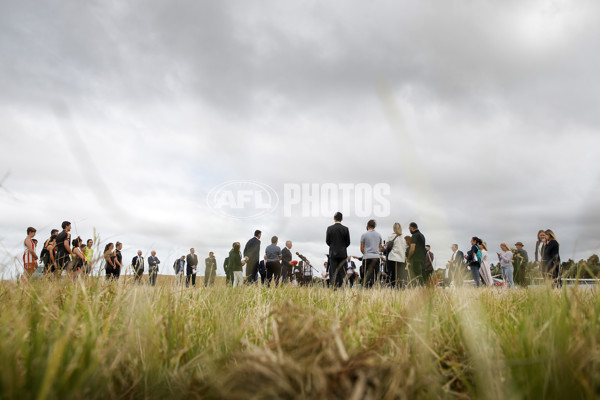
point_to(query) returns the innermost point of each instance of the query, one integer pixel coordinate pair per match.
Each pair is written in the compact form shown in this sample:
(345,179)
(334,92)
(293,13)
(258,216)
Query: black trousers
(397,273)
(187,280)
(138,275)
(273,271)
(337,271)
(251,271)
(369,271)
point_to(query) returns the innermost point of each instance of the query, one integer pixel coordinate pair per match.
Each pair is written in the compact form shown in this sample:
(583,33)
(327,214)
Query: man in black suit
(456,266)
(192,266)
(252,251)
(138,267)
(286,259)
(338,240)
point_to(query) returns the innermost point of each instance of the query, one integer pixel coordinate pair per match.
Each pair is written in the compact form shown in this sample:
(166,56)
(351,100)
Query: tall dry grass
(117,340)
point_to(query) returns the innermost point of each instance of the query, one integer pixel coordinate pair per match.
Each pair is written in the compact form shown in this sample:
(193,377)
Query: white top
(398,252)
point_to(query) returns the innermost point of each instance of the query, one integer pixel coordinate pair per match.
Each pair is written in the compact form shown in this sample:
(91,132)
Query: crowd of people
(399,262)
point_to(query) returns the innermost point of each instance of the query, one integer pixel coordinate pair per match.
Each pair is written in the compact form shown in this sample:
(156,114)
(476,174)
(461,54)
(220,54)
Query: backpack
(389,246)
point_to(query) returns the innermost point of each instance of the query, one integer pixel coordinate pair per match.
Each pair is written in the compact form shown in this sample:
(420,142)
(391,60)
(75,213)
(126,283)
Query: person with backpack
(45,254)
(473,261)
(395,252)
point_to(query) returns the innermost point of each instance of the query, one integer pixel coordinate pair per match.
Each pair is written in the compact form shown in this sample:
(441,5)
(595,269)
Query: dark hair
(76,242)
(338,217)
(371,224)
(107,247)
(274,239)
(236,246)
(53,231)
(89,240)
(475,239)
(118,243)
(413,225)
(30,229)
(257,232)
(427,246)
(34,241)
(65,224)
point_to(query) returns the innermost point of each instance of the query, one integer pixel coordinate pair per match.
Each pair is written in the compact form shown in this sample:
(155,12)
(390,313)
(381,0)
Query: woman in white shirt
(485,270)
(396,258)
(505,258)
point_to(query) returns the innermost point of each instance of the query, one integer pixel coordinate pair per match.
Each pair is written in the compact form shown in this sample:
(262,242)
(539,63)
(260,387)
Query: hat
(518,244)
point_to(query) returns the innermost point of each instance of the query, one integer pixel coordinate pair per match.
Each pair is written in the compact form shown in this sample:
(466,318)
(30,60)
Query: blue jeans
(475,273)
(507,274)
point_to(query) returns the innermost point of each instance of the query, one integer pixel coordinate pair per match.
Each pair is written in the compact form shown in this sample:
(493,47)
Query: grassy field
(93,340)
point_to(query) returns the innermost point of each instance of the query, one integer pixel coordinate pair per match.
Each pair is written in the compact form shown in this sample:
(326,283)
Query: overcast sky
(482,117)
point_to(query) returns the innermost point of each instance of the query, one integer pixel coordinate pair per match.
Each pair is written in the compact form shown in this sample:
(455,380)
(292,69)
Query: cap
(518,244)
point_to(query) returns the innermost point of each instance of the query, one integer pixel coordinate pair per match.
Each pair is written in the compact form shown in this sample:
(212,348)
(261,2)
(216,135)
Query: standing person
(77,259)
(45,254)
(539,251)
(262,270)
(286,259)
(350,271)
(153,262)
(138,267)
(338,240)
(228,272)
(51,265)
(484,265)
(179,269)
(109,261)
(63,248)
(396,258)
(456,266)
(505,257)
(210,270)
(236,263)
(370,247)
(416,255)
(429,268)
(252,255)
(89,254)
(29,256)
(273,253)
(552,258)
(192,268)
(325,274)
(118,260)
(520,261)
(473,261)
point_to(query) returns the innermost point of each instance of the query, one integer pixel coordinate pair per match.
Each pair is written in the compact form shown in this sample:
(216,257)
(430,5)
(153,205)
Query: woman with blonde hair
(552,258)
(505,258)
(484,270)
(396,258)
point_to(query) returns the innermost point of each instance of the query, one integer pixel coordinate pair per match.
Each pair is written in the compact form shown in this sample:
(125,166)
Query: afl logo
(242,199)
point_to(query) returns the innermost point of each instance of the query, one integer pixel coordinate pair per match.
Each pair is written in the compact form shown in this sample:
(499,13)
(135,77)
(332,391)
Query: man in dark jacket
(192,267)
(338,240)
(416,255)
(286,259)
(138,267)
(153,262)
(456,267)
(252,251)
